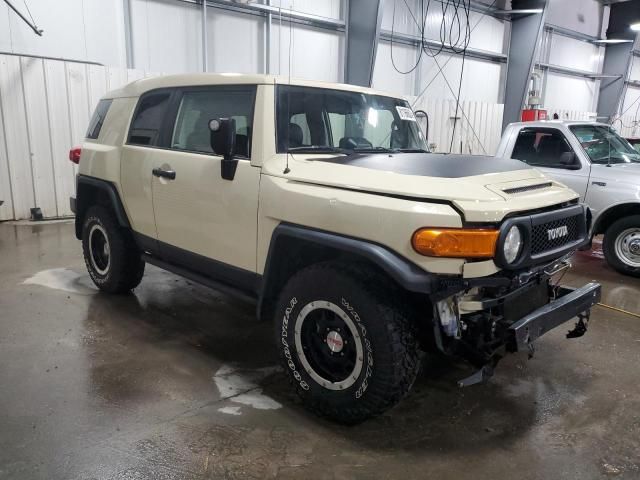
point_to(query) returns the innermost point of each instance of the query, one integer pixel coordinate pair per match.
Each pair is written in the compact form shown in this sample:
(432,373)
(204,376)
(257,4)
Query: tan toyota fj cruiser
(321,203)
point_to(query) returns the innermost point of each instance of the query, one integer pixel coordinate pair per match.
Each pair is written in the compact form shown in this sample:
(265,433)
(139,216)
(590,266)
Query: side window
(191,130)
(95,124)
(299,120)
(147,120)
(541,147)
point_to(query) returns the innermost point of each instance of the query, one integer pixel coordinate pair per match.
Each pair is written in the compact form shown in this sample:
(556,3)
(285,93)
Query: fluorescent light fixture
(613,40)
(635,27)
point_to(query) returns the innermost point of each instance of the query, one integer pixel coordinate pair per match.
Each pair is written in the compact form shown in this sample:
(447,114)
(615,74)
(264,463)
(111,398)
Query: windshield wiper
(412,150)
(317,149)
(374,149)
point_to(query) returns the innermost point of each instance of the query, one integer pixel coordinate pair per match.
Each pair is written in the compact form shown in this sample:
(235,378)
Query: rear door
(205,222)
(142,144)
(543,148)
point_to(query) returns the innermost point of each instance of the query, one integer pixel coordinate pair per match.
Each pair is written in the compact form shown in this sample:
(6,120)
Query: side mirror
(569,160)
(223,142)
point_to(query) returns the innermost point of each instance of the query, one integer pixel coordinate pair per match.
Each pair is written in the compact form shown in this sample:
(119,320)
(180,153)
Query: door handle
(169,174)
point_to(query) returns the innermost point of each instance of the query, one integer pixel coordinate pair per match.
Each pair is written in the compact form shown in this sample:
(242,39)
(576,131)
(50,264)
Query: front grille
(527,188)
(542,241)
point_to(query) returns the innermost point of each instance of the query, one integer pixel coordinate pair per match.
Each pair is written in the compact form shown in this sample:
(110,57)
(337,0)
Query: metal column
(128,33)
(364,18)
(205,60)
(526,32)
(617,58)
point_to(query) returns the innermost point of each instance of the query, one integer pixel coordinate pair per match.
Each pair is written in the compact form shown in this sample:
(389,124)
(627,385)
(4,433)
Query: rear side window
(541,147)
(95,124)
(191,131)
(147,121)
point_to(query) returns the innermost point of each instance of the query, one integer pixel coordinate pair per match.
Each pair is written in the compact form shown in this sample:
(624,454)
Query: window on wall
(147,121)
(191,131)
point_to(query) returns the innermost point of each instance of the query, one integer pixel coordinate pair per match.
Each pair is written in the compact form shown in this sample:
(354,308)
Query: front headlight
(512,244)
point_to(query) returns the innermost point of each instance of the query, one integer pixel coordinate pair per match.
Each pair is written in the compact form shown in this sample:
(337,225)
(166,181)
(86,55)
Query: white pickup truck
(592,159)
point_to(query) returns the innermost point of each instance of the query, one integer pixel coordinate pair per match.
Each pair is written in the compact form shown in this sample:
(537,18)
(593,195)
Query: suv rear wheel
(622,245)
(347,340)
(111,255)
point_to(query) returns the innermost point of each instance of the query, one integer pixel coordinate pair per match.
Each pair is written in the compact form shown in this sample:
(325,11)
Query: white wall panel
(571,53)
(386,78)
(569,92)
(6,209)
(322,8)
(579,15)
(315,54)
(480,82)
(89,30)
(15,133)
(235,42)
(487,32)
(166,36)
(478,128)
(35,99)
(55,75)
(632,101)
(44,111)
(635,69)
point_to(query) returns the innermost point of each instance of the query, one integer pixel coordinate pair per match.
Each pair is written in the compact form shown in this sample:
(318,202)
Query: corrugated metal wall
(478,127)
(45,107)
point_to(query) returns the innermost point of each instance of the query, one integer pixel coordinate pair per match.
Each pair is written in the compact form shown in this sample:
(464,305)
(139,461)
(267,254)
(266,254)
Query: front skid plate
(569,304)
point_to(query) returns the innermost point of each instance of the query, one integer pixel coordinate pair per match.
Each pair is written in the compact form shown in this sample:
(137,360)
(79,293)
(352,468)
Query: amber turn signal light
(455,242)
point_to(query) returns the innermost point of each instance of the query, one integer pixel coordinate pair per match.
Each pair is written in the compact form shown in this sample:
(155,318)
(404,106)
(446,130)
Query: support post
(205,59)
(617,59)
(526,33)
(128,33)
(364,18)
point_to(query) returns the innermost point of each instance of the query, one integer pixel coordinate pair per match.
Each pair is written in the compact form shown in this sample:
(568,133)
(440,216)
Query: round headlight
(512,244)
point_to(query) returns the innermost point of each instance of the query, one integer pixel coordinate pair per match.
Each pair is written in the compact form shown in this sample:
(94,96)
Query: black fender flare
(86,188)
(404,272)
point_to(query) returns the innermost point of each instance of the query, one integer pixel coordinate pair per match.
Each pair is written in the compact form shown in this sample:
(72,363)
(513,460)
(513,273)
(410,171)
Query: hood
(464,180)
(619,172)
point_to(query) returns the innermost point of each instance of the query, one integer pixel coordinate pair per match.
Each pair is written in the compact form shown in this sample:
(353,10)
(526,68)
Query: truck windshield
(319,120)
(604,145)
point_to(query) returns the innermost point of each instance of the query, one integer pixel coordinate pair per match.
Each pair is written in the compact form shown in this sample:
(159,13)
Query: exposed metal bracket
(37,31)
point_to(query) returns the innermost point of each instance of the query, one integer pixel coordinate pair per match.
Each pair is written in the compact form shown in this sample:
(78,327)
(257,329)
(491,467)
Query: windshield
(323,120)
(604,145)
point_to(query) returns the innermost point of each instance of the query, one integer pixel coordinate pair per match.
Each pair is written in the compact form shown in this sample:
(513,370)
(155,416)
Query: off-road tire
(125,266)
(387,330)
(615,230)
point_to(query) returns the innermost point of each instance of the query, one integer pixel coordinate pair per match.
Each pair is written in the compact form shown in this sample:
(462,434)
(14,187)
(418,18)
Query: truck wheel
(111,255)
(622,245)
(347,340)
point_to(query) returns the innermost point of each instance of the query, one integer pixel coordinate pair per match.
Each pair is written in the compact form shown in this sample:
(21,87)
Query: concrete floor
(178,381)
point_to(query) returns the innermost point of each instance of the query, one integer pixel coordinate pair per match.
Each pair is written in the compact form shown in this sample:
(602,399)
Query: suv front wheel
(621,245)
(347,340)
(110,253)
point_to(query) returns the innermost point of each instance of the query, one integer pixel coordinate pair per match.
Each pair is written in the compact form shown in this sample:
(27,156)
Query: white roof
(138,87)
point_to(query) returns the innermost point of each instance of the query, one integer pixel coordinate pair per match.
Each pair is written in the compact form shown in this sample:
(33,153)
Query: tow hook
(581,325)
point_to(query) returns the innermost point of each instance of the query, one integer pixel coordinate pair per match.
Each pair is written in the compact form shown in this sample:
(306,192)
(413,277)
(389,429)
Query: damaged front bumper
(568,304)
(501,314)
